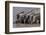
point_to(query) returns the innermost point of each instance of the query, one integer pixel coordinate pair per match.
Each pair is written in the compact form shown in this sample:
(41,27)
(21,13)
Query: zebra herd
(28,19)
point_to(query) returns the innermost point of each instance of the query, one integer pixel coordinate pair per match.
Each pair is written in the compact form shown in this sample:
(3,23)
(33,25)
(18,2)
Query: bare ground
(25,25)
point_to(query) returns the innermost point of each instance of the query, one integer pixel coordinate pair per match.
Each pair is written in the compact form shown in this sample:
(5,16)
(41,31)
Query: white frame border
(11,29)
